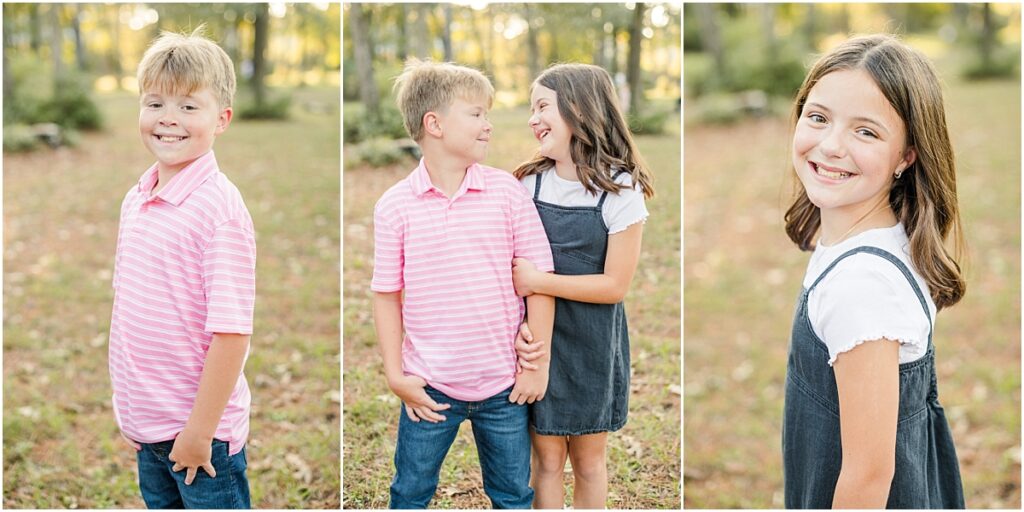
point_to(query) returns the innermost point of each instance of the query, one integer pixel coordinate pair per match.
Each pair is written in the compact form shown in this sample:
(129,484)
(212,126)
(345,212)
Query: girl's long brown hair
(601,139)
(924,197)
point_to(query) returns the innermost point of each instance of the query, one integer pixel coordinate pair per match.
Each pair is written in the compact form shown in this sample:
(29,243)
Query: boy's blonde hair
(183,64)
(426,86)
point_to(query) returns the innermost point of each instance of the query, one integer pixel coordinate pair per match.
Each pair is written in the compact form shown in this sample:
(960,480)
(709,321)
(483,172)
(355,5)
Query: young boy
(446,236)
(184,288)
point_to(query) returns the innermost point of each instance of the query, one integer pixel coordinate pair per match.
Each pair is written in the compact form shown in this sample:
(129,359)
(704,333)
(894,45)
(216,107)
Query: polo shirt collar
(421,184)
(182,184)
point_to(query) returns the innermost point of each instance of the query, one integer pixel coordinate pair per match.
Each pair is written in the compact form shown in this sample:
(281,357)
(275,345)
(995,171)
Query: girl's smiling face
(548,126)
(848,144)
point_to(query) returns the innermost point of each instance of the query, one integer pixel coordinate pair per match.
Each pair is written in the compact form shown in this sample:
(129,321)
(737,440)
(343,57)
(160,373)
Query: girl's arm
(867,378)
(607,288)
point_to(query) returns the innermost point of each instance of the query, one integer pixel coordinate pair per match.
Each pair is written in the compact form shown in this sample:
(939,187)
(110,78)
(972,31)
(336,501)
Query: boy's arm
(531,385)
(223,364)
(387,319)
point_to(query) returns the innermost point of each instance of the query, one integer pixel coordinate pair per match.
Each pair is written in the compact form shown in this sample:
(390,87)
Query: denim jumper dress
(927,472)
(588,387)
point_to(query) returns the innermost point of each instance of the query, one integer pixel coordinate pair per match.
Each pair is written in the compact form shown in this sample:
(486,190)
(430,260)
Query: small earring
(899,173)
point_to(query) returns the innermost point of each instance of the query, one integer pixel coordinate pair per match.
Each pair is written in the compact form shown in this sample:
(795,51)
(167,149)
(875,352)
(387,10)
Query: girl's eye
(817,118)
(867,133)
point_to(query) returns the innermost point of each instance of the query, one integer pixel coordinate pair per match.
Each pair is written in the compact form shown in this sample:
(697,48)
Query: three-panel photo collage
(475,255)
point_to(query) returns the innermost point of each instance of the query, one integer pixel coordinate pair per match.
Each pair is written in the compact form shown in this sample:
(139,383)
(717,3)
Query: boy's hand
(131,443)
(523,273)
(418,404)
(526,349)
(530,386)
(191,452)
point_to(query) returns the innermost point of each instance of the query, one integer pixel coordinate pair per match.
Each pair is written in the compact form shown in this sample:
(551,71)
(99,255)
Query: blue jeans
(163,488)
(502,443)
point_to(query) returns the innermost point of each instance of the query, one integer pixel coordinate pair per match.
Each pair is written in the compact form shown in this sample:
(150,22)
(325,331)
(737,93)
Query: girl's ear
(909,157)
(432,124)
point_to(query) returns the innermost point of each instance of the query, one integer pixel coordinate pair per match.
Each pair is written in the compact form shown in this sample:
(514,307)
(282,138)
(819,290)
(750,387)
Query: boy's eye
(189,107)
(153,105)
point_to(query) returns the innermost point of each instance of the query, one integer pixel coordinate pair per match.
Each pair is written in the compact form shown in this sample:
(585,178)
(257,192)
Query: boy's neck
(163,176)
(446,173)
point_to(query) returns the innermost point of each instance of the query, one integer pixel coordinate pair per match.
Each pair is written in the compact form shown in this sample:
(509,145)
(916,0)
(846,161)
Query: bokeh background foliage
(61,204)
(512,43)
(743,64)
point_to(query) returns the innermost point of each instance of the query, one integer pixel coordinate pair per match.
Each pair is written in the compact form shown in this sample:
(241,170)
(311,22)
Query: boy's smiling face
(465,129)
(178,129)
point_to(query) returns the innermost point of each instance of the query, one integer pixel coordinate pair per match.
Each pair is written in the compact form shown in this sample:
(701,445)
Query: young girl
(862,425)
(589,183)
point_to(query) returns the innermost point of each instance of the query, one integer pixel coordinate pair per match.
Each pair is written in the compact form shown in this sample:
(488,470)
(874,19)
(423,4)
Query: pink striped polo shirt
(453,258)
(185,268)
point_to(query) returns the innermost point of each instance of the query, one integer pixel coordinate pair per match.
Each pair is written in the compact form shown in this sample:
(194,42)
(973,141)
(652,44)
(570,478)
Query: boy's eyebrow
(863,119)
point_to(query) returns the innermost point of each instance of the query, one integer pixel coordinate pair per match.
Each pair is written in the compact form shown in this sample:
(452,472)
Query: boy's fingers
(524,330)
(177,467)
(513,396)
(190,475)
(525,364)
(208,466)
(530,356)
(429,415)
(409,412)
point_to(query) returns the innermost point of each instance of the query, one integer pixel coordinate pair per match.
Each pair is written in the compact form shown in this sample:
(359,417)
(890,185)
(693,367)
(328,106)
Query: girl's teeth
(832,174)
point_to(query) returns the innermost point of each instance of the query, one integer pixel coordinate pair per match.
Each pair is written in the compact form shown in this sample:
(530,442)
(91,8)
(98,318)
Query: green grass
(650,480)
(742,276)
(61,446)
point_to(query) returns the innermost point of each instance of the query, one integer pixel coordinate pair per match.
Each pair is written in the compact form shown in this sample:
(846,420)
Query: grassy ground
(643,457)
(742,275)
(61,446)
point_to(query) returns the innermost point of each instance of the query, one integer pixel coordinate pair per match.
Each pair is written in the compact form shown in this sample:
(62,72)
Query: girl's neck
(838,225)
(566,170)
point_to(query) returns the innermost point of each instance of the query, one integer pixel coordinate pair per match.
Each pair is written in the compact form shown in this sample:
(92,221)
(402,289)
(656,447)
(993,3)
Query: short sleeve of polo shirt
(229,278)
(388,256)
(528,236)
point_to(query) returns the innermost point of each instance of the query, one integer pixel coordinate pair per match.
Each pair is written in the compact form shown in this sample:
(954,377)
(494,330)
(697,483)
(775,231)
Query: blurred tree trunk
(56,43)
(76,28)
(8,80)
(403,28)
(35,38)
(811,26)
(614,64)
(364,61)
(633,64)
(844,18)
(532,46)
(988,36)
(114,55)
(420,41)
(259,58)
(478,35)
(768,34)
(711,39)
(446,34)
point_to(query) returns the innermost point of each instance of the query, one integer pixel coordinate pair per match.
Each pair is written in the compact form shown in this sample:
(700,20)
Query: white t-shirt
(866,297)
(620,211)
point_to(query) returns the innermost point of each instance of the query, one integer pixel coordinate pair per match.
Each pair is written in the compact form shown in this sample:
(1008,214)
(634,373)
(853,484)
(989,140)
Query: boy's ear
(432,124)
(223,120)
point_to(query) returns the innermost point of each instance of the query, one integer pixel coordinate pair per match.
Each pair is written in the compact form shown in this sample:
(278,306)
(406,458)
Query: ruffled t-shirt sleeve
(865,299)
(626,208)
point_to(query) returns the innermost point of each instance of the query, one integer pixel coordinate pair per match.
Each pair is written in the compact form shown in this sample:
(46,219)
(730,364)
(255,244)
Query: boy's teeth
(165,138)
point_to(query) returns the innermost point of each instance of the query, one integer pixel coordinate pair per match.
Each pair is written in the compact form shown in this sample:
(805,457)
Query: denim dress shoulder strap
(927,472)
(588,387)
